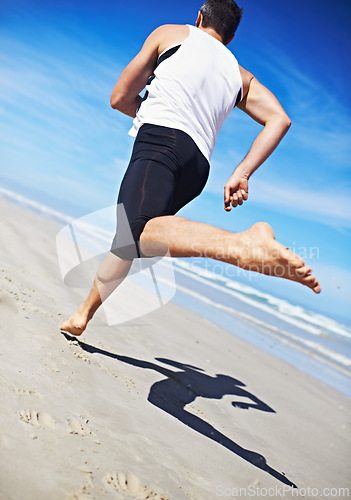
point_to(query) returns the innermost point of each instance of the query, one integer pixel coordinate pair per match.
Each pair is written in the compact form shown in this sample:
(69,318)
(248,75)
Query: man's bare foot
(260,252)
(76,324)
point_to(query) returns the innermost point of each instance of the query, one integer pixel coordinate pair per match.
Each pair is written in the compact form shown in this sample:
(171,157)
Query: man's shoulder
(169,28)
(171,34)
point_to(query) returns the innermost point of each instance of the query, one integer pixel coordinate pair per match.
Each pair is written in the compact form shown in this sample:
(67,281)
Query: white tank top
(194,87)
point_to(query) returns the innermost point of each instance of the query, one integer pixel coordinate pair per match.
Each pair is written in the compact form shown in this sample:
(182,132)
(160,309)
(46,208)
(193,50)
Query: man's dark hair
(223,16)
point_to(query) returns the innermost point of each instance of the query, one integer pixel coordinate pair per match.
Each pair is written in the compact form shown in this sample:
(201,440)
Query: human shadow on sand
(183,386)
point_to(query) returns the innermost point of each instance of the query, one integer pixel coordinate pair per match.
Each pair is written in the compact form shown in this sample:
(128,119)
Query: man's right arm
(261,105)
(125,95)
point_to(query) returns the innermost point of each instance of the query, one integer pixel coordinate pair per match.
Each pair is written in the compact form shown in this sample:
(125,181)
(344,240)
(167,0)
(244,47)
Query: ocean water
(312,342)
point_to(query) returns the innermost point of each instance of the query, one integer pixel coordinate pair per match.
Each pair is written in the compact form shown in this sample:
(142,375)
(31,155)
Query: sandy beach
(166,406)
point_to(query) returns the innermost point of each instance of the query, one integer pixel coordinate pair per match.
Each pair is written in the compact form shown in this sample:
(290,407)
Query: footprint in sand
(42,419)
(76,427)
(38,419)
(131,487)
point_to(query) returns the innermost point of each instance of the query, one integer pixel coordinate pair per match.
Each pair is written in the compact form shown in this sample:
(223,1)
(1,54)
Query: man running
(192,83)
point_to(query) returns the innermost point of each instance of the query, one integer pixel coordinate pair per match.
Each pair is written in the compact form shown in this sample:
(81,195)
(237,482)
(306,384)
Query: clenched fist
(236,191)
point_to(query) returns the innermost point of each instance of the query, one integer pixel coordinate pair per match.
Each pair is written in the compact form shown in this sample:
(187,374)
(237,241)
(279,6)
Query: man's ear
(199,20)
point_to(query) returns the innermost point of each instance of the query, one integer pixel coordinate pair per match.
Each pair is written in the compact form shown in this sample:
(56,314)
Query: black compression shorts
(166,171)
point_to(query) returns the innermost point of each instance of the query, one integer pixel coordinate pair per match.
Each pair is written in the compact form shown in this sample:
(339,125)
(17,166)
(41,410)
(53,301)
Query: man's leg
(147,191)
(254,250)
(110,274)
(156,185)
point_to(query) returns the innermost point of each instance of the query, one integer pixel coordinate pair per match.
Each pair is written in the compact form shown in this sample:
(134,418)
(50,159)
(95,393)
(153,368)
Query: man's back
(195,85)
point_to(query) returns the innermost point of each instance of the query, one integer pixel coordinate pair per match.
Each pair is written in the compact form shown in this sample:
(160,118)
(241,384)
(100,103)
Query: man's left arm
(261,105)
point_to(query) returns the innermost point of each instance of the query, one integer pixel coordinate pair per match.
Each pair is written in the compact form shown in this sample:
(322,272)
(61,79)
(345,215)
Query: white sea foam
(307,346)
(91,230)
(314,323)
(38,207)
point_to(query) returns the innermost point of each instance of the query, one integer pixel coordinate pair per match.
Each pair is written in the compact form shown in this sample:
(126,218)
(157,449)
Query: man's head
(223,16)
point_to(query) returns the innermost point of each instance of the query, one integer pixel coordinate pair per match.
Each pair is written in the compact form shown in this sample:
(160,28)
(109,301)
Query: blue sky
(62,144)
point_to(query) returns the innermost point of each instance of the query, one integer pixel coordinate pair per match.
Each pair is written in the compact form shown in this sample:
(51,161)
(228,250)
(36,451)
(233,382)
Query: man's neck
(212,32)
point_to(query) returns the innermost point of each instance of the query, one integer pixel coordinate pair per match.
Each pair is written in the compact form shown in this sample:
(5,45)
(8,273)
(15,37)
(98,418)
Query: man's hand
(236,191)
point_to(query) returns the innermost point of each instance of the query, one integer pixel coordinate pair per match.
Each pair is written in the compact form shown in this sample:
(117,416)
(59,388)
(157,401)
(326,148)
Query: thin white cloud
(321,117)
(55,110)
(306,203)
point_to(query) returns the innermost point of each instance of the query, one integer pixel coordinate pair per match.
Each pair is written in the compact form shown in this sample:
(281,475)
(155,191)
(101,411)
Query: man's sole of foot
(69,332)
